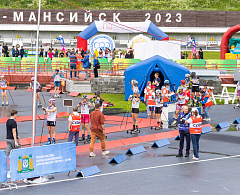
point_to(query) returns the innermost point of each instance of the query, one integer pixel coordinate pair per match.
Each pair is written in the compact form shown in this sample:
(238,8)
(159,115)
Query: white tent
(166,49)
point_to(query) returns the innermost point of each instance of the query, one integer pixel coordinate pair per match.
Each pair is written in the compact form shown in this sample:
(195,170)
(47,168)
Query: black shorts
(195,88)
(158,110)
(51,123)
(37,90)
(151,108)
(135,110)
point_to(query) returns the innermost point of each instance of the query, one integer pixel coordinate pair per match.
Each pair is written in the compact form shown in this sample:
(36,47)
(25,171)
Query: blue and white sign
(42,160)
(3,166)
(103,42)
(236,50)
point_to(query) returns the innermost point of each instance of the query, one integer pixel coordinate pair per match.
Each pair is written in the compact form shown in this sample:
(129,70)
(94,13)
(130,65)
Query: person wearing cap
(4,84)
(187,80)
(135,108)
(38,86)
(195,129)
(85,107)
(206,89)
(146,94)
(207,103)
(97,130)
(134,84)
(151,101)
(51,112)
(183,131)
(180,103)
(157,80)
(74,125)
(99,100)
(158,107)
(86,64)
(195,88)
(165,91)
(57,77)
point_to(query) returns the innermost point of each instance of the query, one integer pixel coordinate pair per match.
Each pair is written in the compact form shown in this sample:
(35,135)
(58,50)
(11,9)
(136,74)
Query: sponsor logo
(103,42)
(25,164)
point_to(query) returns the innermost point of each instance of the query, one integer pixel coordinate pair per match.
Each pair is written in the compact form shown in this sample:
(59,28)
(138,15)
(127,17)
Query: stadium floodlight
(35,79)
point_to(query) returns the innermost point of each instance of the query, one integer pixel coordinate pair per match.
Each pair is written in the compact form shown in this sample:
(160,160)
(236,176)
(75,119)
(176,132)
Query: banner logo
(25,164)
(103,42)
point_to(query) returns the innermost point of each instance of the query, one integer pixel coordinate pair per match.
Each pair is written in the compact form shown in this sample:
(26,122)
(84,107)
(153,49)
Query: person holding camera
(51,112)
(99,100)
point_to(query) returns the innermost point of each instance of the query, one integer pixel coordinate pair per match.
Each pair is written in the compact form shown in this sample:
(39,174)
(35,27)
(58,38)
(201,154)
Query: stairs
(78,86)
(48,87)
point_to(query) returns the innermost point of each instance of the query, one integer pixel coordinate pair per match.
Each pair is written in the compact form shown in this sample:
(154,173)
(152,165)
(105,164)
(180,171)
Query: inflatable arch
(123,27)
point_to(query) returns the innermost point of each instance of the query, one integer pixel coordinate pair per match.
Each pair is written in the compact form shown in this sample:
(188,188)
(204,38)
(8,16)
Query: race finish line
(129,171)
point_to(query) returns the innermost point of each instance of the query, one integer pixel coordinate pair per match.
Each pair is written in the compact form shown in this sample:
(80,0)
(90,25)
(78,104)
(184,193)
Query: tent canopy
(141,72)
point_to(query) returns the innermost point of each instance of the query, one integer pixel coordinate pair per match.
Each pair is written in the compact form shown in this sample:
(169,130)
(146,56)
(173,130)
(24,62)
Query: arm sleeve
(102,119)
(14,124)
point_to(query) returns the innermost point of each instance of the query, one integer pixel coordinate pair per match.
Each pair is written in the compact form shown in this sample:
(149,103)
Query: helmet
(187,75)
(32,79)
(135,82)
(153,86)
(97,93)
(193,74)
(183,82)
(166,82)
(158,91)
(57,70)
(180,88)
(135,91)
(85,96)
(52,101)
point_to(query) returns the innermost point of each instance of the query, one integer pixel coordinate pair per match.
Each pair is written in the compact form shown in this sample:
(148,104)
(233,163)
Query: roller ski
(160,126)
(84,140)
(133,130)
(174,125)
(237,106)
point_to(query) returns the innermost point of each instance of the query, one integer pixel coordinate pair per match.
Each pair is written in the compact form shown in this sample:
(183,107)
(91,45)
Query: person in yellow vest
(195,129)
(207,103)
(74,125)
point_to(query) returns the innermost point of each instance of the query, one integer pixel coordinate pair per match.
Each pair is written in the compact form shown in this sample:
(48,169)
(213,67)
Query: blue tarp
(141,72)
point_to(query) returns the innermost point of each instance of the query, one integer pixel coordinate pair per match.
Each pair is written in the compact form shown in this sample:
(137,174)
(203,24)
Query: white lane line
(127,171)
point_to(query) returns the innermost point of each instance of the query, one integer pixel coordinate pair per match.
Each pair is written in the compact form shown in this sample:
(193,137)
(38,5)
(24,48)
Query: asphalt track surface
(156,171)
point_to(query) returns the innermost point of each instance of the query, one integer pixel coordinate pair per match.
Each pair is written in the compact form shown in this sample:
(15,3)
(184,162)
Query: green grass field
(224,5)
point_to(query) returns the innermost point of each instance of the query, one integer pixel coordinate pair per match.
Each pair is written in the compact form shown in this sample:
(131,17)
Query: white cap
(194,109)
(32,78)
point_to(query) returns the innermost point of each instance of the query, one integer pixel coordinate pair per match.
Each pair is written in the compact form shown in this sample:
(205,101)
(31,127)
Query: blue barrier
(236,121)
(118,159)
(223,125)
(3,166)
(136,150)
(88,171)
(206,130)
(178,137)
(42,160)
(160,143)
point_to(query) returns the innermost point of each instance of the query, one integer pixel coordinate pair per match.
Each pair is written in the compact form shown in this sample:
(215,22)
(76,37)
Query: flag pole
(34,106)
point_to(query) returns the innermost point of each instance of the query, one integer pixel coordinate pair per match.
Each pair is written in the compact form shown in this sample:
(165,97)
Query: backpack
(98,65)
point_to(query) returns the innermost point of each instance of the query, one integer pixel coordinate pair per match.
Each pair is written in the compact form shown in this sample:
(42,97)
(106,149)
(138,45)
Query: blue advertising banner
(42,160)
(3,166)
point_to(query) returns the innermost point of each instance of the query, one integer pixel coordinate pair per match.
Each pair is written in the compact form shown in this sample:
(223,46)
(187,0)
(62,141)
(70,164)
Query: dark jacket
(182,125)
(21,51)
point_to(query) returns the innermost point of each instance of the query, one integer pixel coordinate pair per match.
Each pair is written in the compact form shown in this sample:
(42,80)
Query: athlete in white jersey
(4,85)
(135,109)
(134,84)
(158,108)
(51,112)
(85,107)
(38,86)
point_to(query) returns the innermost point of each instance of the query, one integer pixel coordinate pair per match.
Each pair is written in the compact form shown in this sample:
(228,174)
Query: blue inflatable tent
(144,72)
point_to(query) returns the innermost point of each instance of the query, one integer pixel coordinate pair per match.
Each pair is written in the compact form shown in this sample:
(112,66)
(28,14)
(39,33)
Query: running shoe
(6,103)
(196,159)
(3,103)
(105,153)
(55,96)
(92,154)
